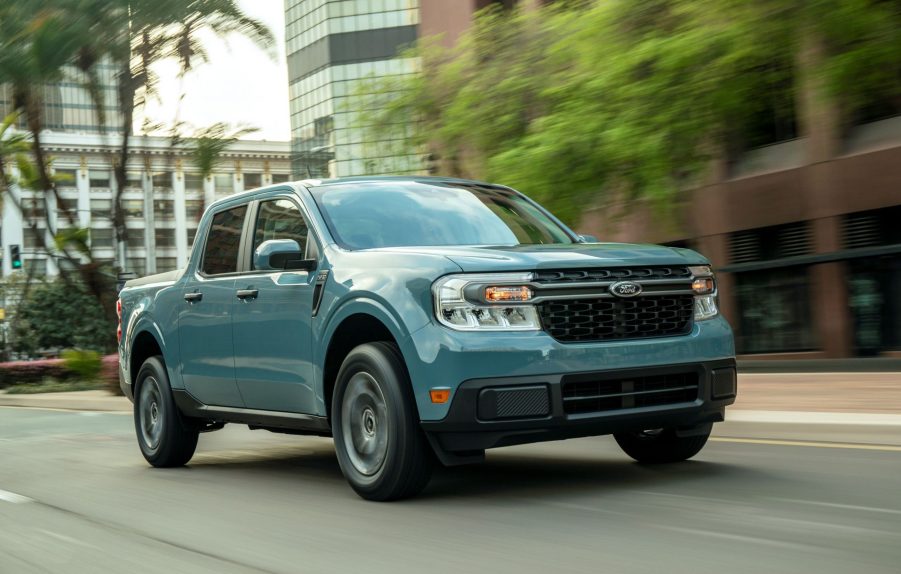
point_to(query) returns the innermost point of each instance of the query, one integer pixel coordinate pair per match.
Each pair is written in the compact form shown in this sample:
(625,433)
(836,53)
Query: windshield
(402,214)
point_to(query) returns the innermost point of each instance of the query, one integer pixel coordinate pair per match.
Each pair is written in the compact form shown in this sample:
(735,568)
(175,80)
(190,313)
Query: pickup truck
(421,321)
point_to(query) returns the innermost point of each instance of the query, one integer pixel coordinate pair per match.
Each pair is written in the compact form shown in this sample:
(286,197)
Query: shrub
(17,372)
(109,373)
(77,366)
(85,364)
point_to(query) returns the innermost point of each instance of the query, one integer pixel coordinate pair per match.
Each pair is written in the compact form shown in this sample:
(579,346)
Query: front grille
(611,274)
(608,319)
(584,393)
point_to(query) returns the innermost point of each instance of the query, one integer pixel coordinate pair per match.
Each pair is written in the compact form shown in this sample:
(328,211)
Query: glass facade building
(335,49)
(68,106)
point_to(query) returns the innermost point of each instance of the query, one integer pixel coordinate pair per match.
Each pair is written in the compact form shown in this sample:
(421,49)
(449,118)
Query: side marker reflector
(439,396)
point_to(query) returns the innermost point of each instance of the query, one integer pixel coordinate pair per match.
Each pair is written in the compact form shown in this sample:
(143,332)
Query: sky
(240,85)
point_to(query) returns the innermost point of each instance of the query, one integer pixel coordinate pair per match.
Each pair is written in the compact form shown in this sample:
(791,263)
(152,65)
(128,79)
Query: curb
(811,417)
(68,402)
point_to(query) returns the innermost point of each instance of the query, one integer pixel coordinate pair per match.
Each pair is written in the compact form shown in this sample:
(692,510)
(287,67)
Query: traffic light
(15,257)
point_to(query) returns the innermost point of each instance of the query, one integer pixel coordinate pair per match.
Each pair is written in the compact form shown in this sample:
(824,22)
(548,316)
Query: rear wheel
(381,449)
(164,437)
(656,446)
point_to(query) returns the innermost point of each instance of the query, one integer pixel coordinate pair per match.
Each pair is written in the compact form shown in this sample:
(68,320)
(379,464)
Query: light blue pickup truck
(421,321)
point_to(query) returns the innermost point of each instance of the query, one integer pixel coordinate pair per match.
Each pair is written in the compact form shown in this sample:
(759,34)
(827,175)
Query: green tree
(57,315)
(41,39)
(577,101)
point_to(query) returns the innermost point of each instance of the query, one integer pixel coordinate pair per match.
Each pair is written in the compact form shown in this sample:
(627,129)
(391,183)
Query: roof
(388,178)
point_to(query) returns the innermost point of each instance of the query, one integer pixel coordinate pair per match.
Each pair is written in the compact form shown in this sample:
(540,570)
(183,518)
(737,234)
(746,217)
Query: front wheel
(164,437)
(659,446)
(381,449)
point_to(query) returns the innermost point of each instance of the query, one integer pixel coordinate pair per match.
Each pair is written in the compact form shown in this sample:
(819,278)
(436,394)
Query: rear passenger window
(223,242)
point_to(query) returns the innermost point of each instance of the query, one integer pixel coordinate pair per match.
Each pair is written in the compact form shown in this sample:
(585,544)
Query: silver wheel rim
(364,424)
(150,412)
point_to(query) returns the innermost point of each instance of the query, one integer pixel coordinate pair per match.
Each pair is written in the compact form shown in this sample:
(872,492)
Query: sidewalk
(75,401)
(787,393)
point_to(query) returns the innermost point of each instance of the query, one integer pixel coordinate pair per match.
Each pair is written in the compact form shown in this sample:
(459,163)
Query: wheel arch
(356,323)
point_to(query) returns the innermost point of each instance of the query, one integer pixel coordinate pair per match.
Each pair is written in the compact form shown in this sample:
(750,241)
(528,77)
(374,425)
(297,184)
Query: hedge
(24,372)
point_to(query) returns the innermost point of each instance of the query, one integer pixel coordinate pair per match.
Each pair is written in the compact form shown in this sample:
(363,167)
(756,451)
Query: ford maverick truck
(421,321)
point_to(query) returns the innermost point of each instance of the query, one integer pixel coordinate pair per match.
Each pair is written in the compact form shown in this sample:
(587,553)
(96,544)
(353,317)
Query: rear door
(205,322)
(272,328)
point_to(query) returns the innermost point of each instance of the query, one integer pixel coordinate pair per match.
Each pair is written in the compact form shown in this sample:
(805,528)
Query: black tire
(661,445)
(381,449)
(165,438)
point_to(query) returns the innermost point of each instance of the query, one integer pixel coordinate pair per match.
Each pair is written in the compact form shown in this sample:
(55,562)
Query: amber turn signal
(439,396)
(702,285)
(518,293)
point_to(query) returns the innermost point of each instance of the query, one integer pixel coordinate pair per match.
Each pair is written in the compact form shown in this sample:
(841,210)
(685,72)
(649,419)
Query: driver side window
(281,219)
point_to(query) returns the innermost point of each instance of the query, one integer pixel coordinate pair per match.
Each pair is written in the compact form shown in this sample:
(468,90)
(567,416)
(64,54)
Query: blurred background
(765,135)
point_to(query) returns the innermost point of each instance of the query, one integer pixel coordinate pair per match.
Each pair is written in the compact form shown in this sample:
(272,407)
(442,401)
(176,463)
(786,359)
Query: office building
(164,198)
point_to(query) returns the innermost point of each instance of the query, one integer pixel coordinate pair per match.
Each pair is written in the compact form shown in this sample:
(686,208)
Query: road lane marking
(840,506)
(778,442)
(7,496)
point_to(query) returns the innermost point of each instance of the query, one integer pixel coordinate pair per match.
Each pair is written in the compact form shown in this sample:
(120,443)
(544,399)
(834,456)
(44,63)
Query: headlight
(487,302)
(703,284)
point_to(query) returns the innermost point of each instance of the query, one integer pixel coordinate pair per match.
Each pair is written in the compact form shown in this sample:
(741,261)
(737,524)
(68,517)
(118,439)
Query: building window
(280,177)
(193,209)
(138,265)
(774,309)
(133,208)
(100,179)
(253,180)
(66,178)
(101,208)
(165,237)
(163,209)
(192,233)
(31,238)
(101,238)
(33,208)
(164,264)
(134,180)
(225,183)
(136,238)
(37,267)
(162,180)
(193,181)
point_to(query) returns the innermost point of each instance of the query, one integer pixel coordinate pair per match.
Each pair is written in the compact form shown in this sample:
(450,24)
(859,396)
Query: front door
(205,321)
(272,331)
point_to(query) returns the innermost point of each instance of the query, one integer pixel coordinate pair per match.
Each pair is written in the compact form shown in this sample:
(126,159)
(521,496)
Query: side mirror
(281,254)
(587,238)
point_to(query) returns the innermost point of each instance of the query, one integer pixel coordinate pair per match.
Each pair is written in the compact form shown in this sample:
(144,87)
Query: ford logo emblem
(625,289)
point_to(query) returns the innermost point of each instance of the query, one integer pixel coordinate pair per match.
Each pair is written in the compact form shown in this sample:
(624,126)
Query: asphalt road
(76,496)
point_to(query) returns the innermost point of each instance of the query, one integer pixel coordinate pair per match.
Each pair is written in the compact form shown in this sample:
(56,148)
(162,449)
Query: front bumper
(466,428)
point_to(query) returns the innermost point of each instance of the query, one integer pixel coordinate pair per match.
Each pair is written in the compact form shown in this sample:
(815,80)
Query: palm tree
(157,30)
(208,144)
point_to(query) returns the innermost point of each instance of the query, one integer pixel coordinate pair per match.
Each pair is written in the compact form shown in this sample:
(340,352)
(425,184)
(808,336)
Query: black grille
(583,393)
(610,274)
(606,319)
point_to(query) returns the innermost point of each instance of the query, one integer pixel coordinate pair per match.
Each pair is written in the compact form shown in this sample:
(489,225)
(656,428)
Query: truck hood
(577,255)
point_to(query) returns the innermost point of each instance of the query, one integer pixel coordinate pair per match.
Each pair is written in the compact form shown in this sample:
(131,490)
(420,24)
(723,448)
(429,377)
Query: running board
(303,424)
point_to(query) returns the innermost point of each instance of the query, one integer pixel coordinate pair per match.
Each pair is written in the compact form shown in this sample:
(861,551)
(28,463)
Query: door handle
(193,297)
(245,294)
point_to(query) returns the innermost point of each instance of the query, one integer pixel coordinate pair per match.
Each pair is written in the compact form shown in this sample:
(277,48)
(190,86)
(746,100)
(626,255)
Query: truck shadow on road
(504,474)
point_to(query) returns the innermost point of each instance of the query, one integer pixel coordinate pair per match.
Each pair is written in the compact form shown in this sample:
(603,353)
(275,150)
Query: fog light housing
(723,383)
